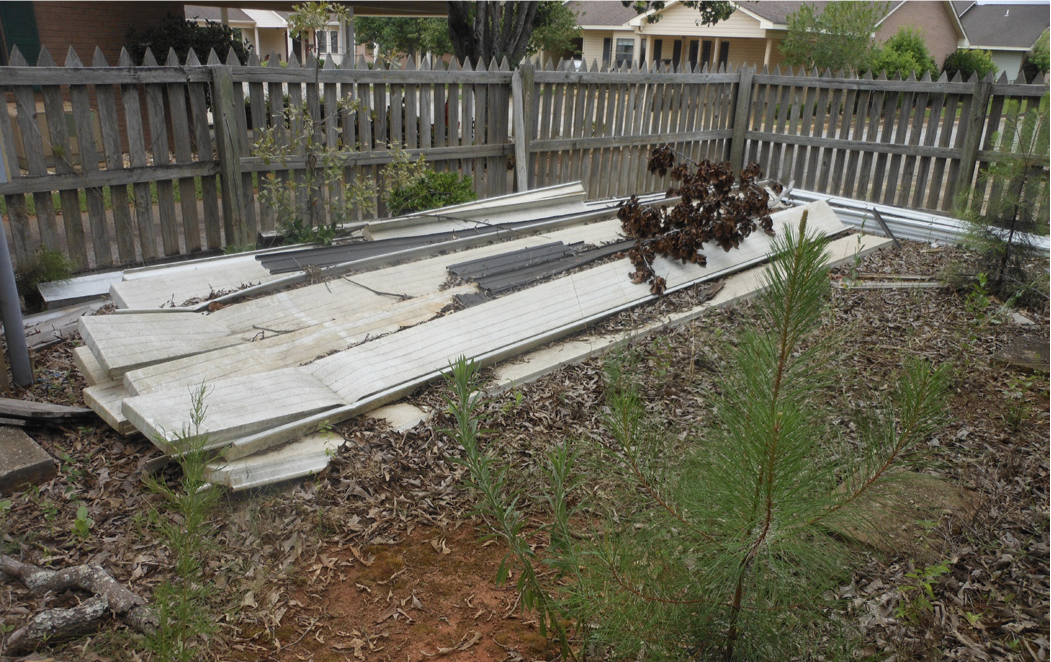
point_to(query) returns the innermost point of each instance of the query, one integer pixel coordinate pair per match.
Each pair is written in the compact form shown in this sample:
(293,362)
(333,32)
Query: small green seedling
(82,524)
(917,595)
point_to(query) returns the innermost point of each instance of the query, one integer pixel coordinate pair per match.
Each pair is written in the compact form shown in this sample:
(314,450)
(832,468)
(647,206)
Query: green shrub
(967,62)
(903,54)
(430,190)
(174,32)
(1038,60)
(46,266)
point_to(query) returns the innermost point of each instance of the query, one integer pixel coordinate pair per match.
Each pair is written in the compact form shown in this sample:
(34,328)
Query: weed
(303,202)
(82,523)
(181,604)
(1018,409)
(918,592)
(46,266)
(498,503)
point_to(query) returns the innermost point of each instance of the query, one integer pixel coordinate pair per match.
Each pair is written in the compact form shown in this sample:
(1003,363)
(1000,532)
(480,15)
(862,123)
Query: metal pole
(11,309)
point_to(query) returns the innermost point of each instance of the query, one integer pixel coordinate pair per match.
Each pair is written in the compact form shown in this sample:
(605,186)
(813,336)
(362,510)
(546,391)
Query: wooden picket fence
(139,158)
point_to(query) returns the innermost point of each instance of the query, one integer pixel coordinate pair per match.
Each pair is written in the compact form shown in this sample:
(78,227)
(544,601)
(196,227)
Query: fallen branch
(109,596)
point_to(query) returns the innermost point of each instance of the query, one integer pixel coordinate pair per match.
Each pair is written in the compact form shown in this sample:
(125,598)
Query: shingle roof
(212,13)
(602,13)
(1005,26)
(777,11)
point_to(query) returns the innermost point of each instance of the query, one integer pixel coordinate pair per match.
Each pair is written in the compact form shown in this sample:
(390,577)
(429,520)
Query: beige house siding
(932,19)
(1009,62)
(592,44)
(680,20)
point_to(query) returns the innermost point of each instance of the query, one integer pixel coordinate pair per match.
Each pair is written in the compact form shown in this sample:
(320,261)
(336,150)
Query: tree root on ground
(109,596)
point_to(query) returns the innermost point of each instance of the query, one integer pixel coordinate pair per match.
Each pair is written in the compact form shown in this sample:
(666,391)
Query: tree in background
(903,54)
(177,33)
(968,61)
(309,17)
(481,31)
(411,37)
(1038,60)
(837,37)
(556,28)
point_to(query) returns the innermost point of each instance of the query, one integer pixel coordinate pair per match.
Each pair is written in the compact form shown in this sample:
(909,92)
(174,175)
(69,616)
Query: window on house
(18,20)
(706,52)
(333,41)
(322,41)
(724,54)
(625,51)
(607,47)
(676,53)
(694,47)
(657,47)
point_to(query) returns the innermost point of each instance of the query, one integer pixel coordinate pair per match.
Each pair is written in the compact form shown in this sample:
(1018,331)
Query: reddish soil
(430,595)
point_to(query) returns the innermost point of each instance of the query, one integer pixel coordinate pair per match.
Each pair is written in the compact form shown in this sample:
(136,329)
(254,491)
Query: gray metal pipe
(11,309)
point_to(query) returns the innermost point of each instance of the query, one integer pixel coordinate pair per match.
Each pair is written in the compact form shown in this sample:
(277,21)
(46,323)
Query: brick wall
(932,19)
(85,25)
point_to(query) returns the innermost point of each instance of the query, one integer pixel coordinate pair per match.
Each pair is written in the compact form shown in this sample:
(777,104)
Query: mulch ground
(379,557)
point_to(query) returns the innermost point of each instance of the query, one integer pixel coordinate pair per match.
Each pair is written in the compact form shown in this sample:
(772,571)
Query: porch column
(636,48)
(649,50)
(348,35)
(715,54)
(769,51)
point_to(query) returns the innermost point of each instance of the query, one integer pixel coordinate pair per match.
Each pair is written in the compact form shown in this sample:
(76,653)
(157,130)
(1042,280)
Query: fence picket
(894,141)
(22,242)
(62,154)
(158,130)
(142,199)
(33,144)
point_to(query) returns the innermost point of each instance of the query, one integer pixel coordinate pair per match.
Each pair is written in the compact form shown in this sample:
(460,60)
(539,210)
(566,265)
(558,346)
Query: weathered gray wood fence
(138,158)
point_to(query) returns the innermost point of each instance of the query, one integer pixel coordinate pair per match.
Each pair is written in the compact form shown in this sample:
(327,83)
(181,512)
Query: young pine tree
(725,553)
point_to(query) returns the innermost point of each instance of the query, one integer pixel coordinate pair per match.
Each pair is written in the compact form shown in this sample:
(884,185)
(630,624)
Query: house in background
(60,24)
(267,31)
(615,34)
(1006,31)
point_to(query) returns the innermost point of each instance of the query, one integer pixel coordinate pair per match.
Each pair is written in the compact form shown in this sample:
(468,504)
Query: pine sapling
(723,551)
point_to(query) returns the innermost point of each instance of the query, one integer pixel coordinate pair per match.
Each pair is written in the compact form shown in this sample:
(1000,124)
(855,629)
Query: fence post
(972,137)
(742,108)
(228,143)
(522,91)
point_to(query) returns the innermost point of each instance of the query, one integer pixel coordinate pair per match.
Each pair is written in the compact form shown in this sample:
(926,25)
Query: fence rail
(115,165)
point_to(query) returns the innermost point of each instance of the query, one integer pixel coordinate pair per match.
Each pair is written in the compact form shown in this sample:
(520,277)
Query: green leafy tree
(837,36)
(175,32)
(1038,60)
(903,54)
(403,36)
(711,11)
(968,61)
(556,28)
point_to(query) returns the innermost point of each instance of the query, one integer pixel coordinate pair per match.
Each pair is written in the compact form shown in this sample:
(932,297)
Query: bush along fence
(116,165)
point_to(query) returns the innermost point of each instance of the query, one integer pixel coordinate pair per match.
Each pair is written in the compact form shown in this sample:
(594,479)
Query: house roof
(212,13)
(776,11)
(360,7)
(1005,27)
(601,14)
